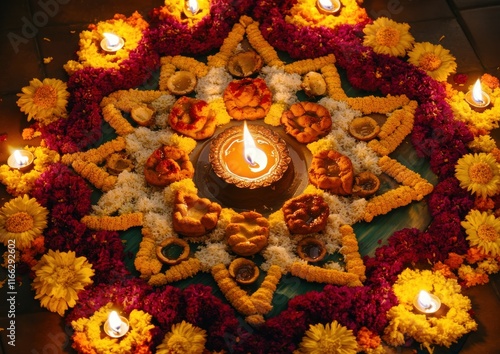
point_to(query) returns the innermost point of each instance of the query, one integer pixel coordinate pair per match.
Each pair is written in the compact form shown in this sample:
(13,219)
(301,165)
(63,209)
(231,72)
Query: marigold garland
(113,223)
(183,270)
(94,174)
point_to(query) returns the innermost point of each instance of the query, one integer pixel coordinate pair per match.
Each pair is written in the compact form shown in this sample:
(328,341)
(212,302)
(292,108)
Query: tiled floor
(31,30)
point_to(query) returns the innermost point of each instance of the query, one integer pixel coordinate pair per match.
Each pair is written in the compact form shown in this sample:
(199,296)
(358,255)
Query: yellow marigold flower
(386,36)
(434,59)
(45,101)
(58,278)
(21,220)
(184,338)
(331,338)
(483,231)
(479,173)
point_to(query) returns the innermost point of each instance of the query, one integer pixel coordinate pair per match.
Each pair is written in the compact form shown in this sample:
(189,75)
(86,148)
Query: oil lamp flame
(477,92)
(424,299)
(20,159)
(192,6)
(326,4)
(112,40)
(249,149)
(427,303)
(114,321)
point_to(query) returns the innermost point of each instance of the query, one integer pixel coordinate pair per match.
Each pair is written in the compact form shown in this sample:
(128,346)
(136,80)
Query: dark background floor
(31,30)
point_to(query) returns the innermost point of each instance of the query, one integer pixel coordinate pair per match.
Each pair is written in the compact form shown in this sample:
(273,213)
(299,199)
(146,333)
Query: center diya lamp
(252,165)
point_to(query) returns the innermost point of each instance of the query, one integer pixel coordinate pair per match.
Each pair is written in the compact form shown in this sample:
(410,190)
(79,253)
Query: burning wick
(20,159)
(116,326)
(111,42)
(426,303)
(256,158)
(328,6)
(192,7)
(476,97)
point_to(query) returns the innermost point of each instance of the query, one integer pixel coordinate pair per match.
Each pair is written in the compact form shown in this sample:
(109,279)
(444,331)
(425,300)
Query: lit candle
(477,97)
(20,159)
(426,303)
(255,157)
(191,7)
(111,42)
(328,6)
(116,326)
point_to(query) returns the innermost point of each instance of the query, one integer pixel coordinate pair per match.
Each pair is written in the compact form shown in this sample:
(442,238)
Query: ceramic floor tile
(408,10)
(19,62)
(484,27)
(61,44)
(14,14)
(467,4)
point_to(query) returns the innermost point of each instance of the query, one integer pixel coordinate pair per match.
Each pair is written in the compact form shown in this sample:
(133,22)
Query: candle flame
(477,92)
(20,159)
(249,147)
(193,6)
(115,321)
(424,299)
(112,40)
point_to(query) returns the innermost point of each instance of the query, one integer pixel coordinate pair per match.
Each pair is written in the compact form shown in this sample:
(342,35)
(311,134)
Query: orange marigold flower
(454,260)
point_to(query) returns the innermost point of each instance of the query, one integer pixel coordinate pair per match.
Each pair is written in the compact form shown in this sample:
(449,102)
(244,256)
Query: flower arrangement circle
(87,337)
(90,53)
(183,338)
(330,338)
(21,221)
(59,276)
(386,36)
(479,173)
(483,231)
(429,331)
(44,101)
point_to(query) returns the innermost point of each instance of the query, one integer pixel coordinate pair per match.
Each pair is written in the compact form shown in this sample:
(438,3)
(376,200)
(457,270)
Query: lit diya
(252,157)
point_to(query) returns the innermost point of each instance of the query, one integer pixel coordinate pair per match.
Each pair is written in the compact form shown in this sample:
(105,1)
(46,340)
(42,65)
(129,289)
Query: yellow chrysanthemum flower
(22,219)
(479,173)
(386,36)
(184,338)
(437,61)
(483,231)
(332,338)
(58,278)
(45,101)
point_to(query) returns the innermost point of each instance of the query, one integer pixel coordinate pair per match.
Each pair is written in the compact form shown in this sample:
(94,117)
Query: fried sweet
(194,216)
(192,117)
(306,214)
(244,64)
(247,233)
(314,84)
(332,171)
(307,121)
(167,164)
(248,99)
